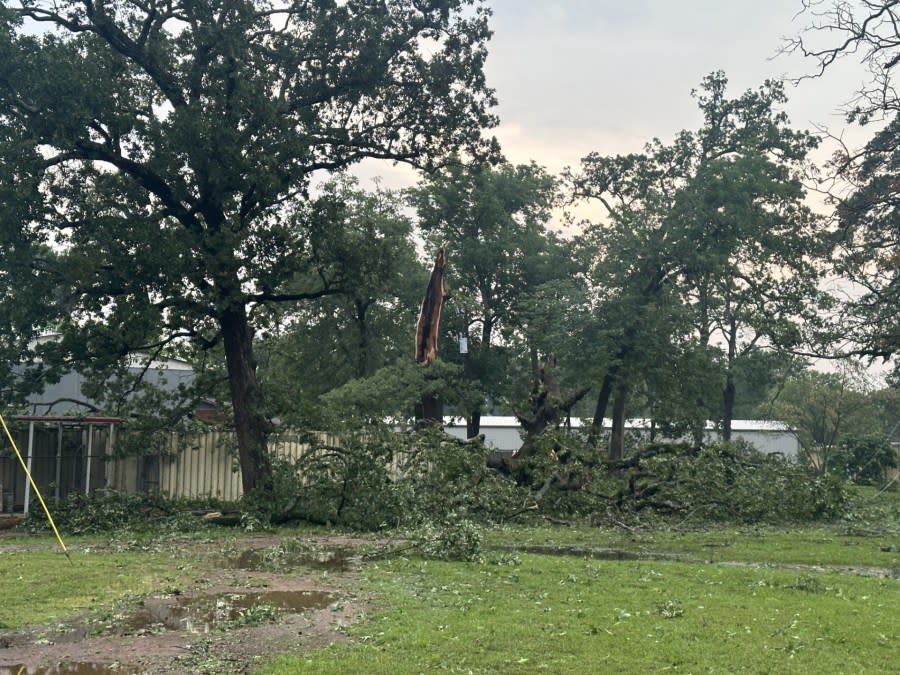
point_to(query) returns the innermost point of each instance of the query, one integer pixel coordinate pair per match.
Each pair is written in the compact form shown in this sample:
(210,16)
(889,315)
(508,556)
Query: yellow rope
(37,490)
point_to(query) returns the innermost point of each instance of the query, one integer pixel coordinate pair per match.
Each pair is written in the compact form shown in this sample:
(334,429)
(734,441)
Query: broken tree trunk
(429,324)
(548,408)
(428,328)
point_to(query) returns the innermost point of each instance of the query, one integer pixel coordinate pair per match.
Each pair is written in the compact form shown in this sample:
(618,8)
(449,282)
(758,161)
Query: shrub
(110,511)
(863,459)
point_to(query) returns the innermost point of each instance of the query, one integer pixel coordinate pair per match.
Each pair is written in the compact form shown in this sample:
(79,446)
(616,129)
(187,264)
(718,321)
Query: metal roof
(635,423)
(68,419)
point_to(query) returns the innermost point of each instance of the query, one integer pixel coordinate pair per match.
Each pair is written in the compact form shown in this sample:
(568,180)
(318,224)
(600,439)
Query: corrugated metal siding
(206,465)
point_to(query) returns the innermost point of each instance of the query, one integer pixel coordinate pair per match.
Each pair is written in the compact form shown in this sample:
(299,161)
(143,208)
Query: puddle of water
(195,615)
(332,560)
(205,613)
(620,554)
(70,669)
(592,553)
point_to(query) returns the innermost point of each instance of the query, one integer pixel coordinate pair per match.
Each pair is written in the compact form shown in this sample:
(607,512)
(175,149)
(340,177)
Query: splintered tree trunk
(250,424)
(548,409)
(617,438)
(427,329)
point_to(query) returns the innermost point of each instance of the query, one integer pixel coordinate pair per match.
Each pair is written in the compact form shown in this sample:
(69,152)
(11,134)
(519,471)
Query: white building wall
(503,433)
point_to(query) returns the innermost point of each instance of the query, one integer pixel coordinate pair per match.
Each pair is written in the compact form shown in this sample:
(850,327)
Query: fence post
(28,464)
(59,445)
(90,452)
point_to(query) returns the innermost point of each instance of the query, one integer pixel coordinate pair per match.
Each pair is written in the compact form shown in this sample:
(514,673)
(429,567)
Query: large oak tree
(172,144)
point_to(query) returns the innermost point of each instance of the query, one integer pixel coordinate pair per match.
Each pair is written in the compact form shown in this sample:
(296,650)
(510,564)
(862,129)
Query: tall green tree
(635,256)
(172,144)
(368,324)
(493,221)
(754,284)
(710,231)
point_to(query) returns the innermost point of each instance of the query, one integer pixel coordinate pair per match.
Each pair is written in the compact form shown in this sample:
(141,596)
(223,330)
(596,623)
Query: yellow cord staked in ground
(34,486)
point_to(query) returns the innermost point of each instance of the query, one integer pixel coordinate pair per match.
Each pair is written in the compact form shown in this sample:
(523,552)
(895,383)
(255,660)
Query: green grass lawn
(535,613)
(755,600)
(42,585)
(809,546)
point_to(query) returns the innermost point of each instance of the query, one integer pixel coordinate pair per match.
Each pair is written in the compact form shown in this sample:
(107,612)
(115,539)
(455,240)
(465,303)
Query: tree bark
(250,424)
(364,358)
(729,395)
(473,423)
(617,438)
(430,409)
(473,420)
(548,409)
(602,404)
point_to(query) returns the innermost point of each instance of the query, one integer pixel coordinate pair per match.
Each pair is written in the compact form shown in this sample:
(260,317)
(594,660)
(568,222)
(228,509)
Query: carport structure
(63,453)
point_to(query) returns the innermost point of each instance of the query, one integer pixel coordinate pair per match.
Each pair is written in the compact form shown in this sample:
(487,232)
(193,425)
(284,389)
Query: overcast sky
(577,76)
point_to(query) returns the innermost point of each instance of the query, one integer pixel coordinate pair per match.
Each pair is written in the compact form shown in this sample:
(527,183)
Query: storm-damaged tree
(173,144)
(493,220)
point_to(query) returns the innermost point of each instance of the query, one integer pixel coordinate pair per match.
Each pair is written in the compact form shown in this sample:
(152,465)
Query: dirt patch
(230,621)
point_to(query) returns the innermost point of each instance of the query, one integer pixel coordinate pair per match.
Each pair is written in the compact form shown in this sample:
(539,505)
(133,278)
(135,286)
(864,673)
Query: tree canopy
(165,151)
(493,219)
(708,244)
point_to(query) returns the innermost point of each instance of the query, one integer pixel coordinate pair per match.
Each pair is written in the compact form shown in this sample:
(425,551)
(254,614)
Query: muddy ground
(254,599)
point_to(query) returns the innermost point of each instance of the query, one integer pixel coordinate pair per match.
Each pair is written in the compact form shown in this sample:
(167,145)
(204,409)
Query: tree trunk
(473,423)
(602,405)
(363,358)
(548,409)
(250,424)
(430,409)
(617,439)
(728,408)
(473,420)
(729,393)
